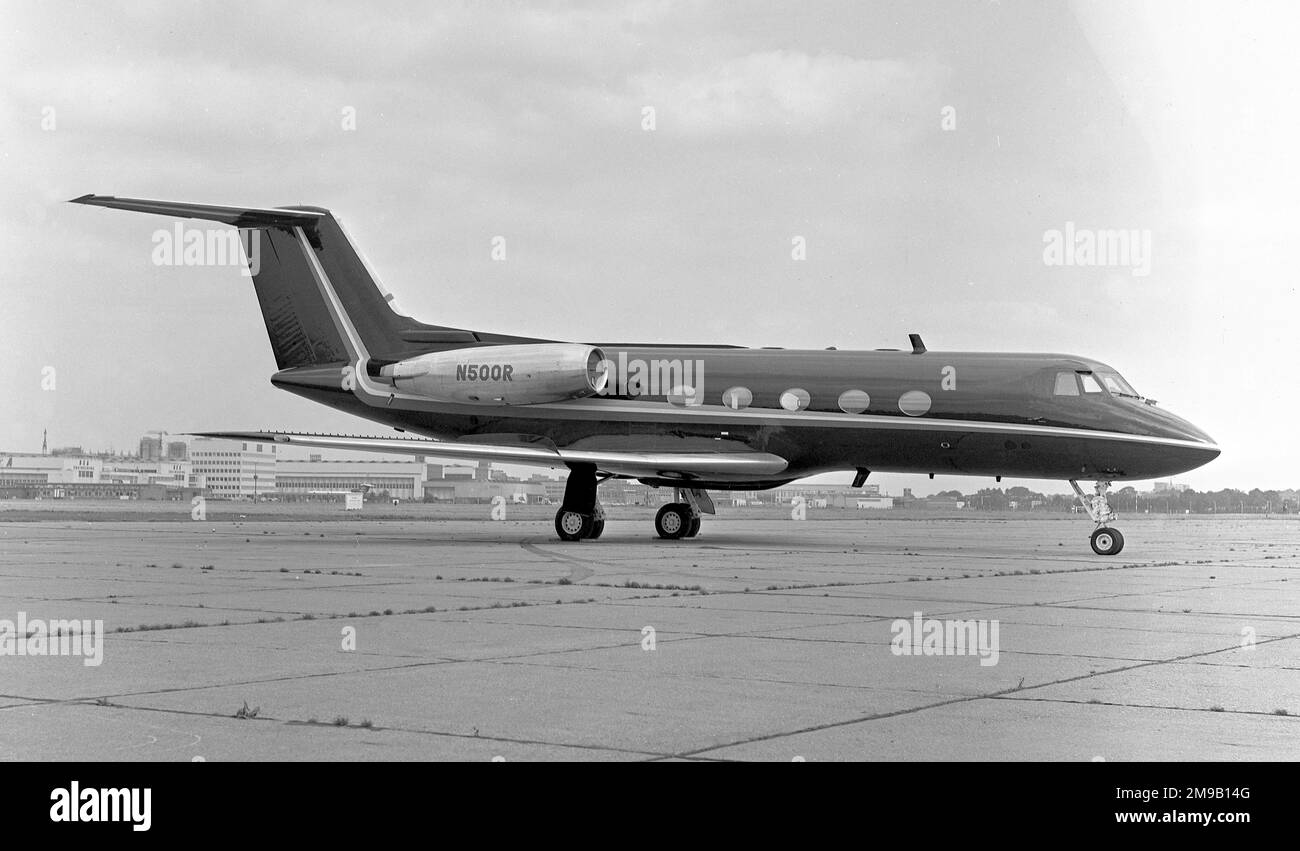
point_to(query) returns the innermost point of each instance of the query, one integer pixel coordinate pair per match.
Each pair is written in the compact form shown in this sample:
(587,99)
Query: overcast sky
(772,120)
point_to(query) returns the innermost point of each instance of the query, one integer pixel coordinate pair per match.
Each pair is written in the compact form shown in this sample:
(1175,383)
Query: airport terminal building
(316,477)
(234,469)
(80,476)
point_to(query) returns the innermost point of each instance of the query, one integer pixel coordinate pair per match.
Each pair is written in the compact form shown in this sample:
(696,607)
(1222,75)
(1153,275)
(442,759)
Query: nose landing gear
(1105,541)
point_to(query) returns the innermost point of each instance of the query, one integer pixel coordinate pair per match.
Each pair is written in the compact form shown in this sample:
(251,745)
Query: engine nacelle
(526,374)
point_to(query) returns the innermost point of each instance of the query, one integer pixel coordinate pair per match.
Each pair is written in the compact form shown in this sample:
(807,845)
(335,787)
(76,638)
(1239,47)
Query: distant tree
(989,499)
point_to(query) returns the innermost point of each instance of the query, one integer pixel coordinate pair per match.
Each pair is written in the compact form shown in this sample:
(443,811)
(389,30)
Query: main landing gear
(582,516)
(574,526)
(682,517)
(1106,541)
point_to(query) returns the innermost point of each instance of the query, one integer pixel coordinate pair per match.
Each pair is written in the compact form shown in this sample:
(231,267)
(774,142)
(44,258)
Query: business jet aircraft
(691,417)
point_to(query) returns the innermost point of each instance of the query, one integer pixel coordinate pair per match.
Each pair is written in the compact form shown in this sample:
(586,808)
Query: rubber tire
(583,532)
(1107,541)
(680,522)
(597,529)
(694,528)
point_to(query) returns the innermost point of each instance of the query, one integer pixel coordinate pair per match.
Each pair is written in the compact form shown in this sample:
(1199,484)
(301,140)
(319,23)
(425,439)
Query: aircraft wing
(738,464)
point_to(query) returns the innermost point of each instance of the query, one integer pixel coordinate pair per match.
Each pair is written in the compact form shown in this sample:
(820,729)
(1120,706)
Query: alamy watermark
(37,637)
(680,380)
(183,246)
(1075,246)
(931,637)
(97,804)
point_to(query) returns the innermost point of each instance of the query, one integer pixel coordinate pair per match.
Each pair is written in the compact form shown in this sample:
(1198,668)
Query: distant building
(624,492)
(177,450)
(150,448)
(553,491)
(468,490)
(176,474)
(815,496)
(399,479)
(70,477)
(234,469)
(23,469)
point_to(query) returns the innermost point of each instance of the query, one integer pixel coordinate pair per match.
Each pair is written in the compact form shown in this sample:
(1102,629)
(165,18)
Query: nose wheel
(1106,540)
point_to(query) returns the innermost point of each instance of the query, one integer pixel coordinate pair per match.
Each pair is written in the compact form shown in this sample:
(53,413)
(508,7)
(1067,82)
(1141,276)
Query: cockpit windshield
(1092,382)
(1117,385)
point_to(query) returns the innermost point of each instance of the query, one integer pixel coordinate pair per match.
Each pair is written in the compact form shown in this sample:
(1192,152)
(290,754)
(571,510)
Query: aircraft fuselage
(967,413)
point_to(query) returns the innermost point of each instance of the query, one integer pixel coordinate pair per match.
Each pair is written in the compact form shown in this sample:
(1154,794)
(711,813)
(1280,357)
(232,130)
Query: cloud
(791,90)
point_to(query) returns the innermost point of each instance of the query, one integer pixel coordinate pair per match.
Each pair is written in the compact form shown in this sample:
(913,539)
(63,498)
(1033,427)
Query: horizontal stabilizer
(746,464)
(241,217)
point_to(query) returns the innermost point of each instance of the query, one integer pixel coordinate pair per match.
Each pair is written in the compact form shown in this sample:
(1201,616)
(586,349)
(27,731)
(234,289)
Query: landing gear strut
(1106,541)
(581,514)
(681,518)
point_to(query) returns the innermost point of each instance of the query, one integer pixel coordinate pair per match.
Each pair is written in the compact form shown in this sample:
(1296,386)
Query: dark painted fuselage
(988,414)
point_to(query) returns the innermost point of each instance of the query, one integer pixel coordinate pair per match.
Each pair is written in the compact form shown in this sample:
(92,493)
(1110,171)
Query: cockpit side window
(1090,384)
(1066,385)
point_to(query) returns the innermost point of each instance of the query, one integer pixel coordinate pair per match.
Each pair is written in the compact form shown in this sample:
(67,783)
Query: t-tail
(321,303)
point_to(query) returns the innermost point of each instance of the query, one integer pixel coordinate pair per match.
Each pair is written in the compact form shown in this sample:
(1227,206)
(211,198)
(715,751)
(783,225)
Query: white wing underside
(731,465)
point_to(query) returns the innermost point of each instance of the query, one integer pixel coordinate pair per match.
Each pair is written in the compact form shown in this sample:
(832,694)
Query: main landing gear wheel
(694,528)
(597,528)
(572,526)
(1107,541)
(673,521)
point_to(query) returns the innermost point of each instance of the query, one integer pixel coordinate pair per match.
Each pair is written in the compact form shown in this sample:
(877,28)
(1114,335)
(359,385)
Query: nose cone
(1174,426)
(1194,449)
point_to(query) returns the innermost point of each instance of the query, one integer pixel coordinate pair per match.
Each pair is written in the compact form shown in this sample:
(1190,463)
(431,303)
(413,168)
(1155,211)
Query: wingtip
(83,199)
(266,436)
